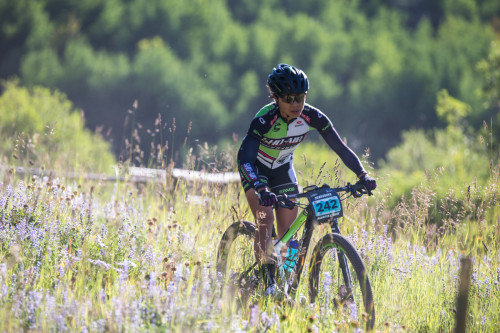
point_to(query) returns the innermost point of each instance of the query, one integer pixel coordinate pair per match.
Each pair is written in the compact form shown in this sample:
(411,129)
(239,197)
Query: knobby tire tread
(331,242)
(241,228)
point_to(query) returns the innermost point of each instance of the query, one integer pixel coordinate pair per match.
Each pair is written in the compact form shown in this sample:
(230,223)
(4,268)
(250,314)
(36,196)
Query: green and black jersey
(270,141)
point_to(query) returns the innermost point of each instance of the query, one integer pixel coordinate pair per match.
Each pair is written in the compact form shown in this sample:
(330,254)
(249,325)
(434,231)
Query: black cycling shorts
(281,180)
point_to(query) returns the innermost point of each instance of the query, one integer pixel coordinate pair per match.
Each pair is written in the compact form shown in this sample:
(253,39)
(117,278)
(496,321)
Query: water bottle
(291,255)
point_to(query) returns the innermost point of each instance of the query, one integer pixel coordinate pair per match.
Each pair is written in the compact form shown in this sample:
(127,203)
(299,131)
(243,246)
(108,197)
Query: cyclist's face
(291,106)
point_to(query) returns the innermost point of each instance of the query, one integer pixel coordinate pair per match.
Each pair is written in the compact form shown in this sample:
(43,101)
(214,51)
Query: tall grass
(83,256)
(94,256)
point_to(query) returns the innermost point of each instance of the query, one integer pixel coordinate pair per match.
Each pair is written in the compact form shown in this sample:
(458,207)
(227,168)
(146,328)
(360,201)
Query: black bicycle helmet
(286,80)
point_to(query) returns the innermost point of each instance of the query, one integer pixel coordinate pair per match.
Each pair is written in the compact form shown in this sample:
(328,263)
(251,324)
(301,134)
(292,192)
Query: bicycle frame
(306,216)
(354,291)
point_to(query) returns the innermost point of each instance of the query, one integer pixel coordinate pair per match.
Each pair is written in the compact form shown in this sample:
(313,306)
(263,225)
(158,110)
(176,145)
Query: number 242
(327,206)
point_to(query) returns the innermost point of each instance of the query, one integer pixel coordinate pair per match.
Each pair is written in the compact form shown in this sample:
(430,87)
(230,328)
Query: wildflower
(102,295)
(449,257)
(313,329)
(209,325)
(171,287)
(100,263)
(266,320)
(474,276)
(78,255)
(411,258)
(254,315)
(149,256)
(327,281)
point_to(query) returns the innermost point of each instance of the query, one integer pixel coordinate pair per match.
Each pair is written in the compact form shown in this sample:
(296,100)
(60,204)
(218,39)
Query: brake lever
(285,203)
(356,194)
(359,193)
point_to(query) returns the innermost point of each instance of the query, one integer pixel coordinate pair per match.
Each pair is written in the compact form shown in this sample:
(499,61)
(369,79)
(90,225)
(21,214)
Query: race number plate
(326,204)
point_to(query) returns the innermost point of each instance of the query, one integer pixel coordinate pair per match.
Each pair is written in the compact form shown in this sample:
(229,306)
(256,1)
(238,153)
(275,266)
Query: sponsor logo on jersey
(282,143)
(250,172)
(285,190)
(262,121)
(299,123)
(277,127)
(283,159)
(306,118)
(274,120)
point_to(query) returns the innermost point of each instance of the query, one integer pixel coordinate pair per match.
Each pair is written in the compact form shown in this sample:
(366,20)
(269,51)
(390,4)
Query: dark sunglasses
(289,99)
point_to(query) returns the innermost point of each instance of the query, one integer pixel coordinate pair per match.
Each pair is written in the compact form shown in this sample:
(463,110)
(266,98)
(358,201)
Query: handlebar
(356,190)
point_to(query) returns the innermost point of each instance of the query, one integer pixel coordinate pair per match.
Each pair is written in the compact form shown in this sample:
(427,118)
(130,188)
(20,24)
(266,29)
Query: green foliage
(451,110)
(445,164)
(375,65)
(490,91)
(40,127)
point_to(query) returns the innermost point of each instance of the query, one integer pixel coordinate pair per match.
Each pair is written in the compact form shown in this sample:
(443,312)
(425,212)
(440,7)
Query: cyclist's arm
(247,155)
(347,156)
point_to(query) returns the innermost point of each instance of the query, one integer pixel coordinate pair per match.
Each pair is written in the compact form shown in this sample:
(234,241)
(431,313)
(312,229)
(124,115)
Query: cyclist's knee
(264,218)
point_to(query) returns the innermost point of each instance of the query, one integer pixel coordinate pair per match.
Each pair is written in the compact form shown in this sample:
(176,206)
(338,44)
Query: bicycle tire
(237,241)
(323,263)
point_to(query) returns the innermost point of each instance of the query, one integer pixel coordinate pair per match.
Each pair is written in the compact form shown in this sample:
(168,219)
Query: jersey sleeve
(258,127)
(347,156)
(320,122)
(247,155)
(316,119)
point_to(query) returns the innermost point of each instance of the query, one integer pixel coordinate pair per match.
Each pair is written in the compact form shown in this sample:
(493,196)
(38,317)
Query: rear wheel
(339,281)
(236,261)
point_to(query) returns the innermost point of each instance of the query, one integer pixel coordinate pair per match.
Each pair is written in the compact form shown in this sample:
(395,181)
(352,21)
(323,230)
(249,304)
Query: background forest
(375,67)
(94,86)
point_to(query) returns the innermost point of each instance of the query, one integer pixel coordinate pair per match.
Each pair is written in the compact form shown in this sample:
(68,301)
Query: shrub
(39,127)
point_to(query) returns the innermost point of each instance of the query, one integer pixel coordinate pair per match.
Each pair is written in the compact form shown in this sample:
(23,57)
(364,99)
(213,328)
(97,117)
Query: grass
(95,256)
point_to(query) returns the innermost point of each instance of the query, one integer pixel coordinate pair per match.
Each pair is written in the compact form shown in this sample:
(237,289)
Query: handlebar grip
(360,188)
(281,197)
(283,201)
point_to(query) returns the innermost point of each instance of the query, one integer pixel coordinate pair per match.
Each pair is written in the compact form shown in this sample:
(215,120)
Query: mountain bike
(338,279)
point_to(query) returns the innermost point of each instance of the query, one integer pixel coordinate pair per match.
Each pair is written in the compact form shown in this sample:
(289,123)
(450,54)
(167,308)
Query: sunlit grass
(126,257)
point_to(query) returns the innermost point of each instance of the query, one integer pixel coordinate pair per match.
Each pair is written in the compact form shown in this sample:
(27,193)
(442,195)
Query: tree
(41,127)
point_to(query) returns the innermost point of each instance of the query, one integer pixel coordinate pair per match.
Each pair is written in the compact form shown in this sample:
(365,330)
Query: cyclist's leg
(285,182)
(263,246)
(285,218)
(264,219)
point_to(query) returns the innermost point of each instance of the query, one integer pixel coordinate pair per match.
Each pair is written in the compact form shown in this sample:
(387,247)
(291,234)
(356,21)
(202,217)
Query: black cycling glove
(267,198)
(368,182)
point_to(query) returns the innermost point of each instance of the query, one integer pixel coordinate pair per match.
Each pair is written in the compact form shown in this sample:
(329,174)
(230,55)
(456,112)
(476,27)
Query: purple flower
(266,320)
(102,295)
(254,315)
(100,263)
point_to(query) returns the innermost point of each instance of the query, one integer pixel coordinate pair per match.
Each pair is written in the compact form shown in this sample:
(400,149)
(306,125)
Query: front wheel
(236,261)
(339,281)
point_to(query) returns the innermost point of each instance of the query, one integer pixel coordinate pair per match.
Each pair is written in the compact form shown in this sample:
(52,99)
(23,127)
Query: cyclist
(266,154)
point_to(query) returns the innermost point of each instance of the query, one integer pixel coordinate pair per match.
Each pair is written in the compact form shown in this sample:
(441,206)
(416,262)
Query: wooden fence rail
(135,174)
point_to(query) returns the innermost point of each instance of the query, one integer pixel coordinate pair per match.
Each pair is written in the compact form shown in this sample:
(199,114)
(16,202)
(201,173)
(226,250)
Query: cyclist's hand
(267,198)
(368,182)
